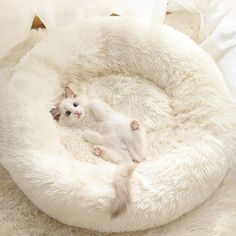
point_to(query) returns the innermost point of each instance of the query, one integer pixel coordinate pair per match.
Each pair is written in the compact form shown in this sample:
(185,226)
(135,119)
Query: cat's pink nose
(78,114)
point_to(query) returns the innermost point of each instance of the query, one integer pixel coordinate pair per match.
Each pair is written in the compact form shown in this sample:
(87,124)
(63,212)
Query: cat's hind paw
(134,125)
(97,151)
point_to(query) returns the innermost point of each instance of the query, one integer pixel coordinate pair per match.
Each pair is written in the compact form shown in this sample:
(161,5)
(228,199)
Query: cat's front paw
(97,151)
(134,125)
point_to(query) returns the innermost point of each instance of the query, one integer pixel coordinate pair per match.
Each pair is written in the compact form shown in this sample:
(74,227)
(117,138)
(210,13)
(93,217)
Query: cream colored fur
(120,139)
(194,177)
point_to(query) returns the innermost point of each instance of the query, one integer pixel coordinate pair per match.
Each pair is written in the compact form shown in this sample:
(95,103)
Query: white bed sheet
(217,32)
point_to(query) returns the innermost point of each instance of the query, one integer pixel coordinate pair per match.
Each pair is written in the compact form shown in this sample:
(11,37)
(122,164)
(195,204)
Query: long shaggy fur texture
(159,76)
(121,185)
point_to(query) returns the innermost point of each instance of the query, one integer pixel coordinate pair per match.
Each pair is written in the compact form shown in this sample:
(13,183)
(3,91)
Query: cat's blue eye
(75,104)
(67,113)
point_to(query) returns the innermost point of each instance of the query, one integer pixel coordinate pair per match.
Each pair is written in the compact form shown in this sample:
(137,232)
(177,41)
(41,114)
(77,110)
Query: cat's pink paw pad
(97,151)
(134,125)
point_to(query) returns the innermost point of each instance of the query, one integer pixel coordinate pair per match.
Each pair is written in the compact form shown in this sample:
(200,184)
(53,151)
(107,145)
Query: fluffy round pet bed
(160,77)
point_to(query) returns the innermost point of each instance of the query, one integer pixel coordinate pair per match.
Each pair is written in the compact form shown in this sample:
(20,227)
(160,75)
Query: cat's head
(69,112)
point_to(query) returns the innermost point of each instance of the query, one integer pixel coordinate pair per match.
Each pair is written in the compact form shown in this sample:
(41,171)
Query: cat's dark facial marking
(55,113)
(69,93)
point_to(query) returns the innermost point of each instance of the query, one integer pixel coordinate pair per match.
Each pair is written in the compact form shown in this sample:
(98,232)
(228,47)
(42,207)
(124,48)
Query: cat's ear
(69,93)
(55,113)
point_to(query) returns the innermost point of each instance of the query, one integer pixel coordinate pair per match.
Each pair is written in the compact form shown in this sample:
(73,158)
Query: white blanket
(217,32)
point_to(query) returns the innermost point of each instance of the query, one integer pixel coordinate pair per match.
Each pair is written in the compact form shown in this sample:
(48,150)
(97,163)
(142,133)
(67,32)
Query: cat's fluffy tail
(122,192)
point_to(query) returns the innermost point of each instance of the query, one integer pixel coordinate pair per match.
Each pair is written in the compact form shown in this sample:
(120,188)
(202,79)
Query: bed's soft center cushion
(138,98)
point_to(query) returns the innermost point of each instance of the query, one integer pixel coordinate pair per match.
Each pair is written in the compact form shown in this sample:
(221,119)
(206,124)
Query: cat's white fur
(121,140)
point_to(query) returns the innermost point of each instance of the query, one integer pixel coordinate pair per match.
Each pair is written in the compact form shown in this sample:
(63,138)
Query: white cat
(121,140)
